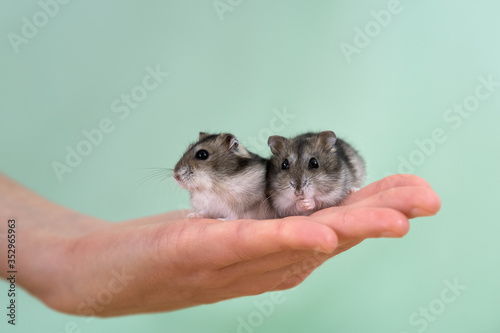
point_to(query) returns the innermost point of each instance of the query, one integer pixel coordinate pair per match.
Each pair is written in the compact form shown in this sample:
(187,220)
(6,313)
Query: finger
(267,263)
(357,223)
(226,243)
(393,181)
(411,201)
(294,280)
(296,274)
(278,279)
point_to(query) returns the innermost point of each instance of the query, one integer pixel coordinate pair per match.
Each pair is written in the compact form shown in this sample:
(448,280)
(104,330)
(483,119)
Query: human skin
(79,264)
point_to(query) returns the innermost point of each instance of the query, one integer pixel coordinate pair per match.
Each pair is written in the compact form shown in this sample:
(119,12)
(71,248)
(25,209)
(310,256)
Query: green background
(235,71)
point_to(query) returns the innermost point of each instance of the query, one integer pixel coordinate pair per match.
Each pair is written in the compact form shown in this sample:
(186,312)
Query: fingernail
(416,212)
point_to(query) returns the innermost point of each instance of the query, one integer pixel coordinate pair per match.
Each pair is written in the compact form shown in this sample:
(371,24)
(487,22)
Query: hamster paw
(306,204)
(352,190)
(195,216)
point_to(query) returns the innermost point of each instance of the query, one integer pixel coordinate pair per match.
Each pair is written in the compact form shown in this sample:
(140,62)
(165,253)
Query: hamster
(310,172)
(225,180)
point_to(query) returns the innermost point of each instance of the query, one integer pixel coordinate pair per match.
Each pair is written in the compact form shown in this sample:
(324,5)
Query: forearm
(64,257)
(42,231)
(35,214)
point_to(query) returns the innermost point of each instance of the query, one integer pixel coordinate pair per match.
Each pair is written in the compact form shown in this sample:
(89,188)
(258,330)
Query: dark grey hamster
(225,180)
(310,172)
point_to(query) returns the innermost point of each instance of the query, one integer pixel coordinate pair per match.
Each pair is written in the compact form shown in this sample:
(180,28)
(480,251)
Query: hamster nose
(297,187)
(180,174)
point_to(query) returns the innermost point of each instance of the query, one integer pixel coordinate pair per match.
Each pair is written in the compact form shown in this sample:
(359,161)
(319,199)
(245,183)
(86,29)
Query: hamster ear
(276,143)
(231,141)
(203,135)
(327,139)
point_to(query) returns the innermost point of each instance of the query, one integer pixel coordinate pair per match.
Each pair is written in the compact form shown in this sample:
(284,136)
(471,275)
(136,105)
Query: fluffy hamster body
(310,172)
(225,180)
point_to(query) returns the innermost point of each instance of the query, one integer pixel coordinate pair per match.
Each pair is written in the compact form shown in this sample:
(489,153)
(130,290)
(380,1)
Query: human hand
(167,262)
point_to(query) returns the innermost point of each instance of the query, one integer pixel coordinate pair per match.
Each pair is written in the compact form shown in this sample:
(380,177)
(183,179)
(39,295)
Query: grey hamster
(310,172)
(225,180)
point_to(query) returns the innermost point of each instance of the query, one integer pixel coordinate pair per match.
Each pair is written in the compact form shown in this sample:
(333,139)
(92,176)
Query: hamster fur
(310,172)
(225,180)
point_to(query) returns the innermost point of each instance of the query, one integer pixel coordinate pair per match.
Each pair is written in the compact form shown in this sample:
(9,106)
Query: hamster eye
(285,165)
(201,154)
(313,163)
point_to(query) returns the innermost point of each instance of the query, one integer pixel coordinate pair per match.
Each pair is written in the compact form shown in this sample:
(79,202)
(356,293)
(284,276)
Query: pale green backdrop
(406,82)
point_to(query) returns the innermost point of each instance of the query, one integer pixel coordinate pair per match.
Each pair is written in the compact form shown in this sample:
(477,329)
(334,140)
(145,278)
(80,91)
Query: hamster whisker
(158,175)
(267,198)
(265,202)
(163,195)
